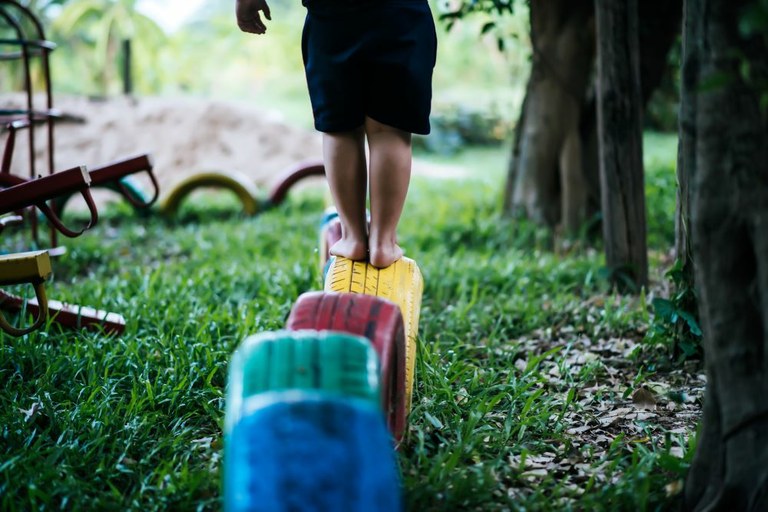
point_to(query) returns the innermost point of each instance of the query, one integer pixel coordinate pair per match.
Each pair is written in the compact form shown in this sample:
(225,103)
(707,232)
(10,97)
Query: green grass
(660,158)
(91,422)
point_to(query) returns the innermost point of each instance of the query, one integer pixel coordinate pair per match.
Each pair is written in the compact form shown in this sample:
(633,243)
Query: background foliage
(208,56)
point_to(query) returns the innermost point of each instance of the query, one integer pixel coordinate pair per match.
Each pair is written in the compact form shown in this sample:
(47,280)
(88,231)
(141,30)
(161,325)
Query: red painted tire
(292,176)
(377,319)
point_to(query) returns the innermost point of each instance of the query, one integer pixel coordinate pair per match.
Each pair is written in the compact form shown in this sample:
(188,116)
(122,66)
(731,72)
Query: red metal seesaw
(113,176)
(31,43)
(110,175)
(37,192)
(20,194)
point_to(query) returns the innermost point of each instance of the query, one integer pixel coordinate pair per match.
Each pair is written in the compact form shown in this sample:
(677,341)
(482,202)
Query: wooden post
(127,75)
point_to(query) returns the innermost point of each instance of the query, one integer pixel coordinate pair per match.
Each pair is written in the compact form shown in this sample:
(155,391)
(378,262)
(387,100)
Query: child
(369,66)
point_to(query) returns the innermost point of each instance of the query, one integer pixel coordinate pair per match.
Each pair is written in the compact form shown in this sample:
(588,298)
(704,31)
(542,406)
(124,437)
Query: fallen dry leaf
(674,488)
(29,414)
(643,399)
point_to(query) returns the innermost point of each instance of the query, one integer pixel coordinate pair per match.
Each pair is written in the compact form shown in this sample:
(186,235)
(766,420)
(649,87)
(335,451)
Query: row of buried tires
(315,412)
(252,200)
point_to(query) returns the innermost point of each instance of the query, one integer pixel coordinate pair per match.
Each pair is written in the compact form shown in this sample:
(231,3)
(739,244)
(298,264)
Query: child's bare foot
(385,254)
(350,248)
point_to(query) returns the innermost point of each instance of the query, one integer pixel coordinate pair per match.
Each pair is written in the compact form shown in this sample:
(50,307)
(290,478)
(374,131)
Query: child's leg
(390,166)
(344,156)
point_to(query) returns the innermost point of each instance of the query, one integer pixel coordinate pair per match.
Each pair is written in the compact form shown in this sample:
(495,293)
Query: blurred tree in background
(553,173)
(43,8)
(96,30)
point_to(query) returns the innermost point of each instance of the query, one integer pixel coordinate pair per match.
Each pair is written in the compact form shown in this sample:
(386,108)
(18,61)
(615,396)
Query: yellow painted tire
(238,183)
(400,283)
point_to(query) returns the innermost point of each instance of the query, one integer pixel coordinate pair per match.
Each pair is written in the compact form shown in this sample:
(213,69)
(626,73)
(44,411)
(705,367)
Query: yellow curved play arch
(238,183)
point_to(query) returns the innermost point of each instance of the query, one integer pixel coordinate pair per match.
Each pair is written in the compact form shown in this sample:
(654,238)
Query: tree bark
(621,141)
(728,142)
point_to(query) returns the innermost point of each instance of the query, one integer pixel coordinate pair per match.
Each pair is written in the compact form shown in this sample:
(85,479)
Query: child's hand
(248,18)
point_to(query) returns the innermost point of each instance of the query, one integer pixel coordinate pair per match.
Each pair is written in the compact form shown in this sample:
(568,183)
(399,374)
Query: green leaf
(754,21)
(664,308)
(693,323)
(434,421)
(715,81)
(689,348)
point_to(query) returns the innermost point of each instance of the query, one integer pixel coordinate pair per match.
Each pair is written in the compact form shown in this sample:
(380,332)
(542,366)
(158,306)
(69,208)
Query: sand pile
(184,135)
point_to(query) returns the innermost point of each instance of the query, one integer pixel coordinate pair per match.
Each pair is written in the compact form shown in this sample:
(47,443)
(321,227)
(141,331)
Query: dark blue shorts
(369,58)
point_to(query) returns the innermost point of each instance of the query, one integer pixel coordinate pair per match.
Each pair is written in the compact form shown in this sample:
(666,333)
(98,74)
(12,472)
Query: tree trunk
(686,164)
(728,145)
(553,174)
(621,141)
(563,48)
(686,151)
(659,25)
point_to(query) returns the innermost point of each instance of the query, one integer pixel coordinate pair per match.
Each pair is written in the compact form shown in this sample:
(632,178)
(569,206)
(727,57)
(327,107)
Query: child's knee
(355,135)
(373,127)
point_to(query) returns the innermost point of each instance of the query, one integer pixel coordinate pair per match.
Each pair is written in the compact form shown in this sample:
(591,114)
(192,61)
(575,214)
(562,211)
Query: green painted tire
(336,363)
(130,186)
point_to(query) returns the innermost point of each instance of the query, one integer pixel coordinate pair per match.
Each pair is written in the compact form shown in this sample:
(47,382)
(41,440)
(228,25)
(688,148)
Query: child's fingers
(248,18)
(253,25)
(267,14)
(258,23)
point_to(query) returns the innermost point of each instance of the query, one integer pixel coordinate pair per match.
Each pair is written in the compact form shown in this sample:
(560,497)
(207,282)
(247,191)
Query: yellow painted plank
(401,283)
(25,267)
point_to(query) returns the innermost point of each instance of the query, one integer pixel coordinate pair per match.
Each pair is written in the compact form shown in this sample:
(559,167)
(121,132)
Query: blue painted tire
(296,451)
